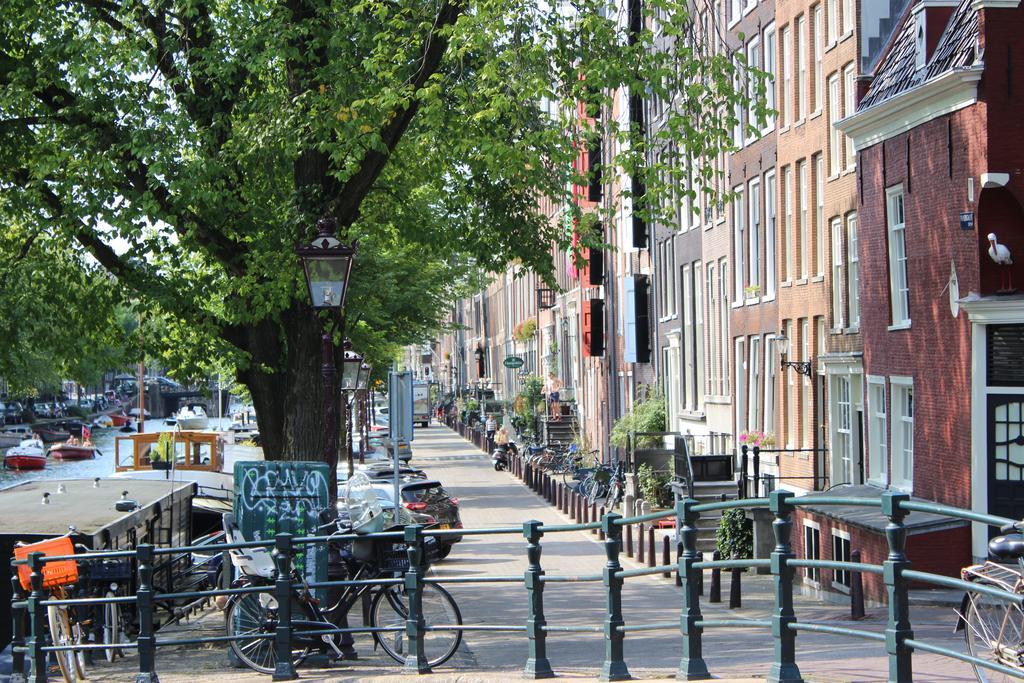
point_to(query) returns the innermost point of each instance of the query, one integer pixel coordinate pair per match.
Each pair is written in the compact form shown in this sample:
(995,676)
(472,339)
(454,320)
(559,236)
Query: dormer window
(921,42)
(930,18)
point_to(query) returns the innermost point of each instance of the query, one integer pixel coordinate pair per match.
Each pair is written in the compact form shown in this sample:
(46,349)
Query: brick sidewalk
(490,499)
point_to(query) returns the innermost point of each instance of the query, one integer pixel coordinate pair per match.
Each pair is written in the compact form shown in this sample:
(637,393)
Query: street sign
(400,406)
(513,362)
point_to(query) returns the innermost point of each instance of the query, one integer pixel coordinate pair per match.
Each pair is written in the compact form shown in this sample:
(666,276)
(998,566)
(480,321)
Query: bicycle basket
(108,570)
(59,573)
(394,558)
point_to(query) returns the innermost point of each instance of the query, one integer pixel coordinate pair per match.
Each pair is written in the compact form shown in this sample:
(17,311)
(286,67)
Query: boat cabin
(187,450)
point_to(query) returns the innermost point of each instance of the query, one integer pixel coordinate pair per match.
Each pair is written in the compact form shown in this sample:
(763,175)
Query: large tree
(184,147)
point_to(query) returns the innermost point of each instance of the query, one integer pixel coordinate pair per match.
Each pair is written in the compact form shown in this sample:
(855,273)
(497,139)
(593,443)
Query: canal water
(100,466)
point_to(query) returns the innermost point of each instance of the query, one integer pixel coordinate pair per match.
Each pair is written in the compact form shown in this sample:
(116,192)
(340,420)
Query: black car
(430,497)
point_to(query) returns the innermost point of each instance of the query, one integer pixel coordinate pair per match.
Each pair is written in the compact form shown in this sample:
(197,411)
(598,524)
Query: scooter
(499,457)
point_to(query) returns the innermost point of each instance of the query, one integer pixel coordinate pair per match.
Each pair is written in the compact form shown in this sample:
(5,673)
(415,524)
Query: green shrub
(735,535)
(648,415)
(653,486)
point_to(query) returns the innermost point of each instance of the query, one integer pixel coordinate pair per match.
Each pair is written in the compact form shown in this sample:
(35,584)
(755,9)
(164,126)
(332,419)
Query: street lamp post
(804,367)
(327,265)
(354,377)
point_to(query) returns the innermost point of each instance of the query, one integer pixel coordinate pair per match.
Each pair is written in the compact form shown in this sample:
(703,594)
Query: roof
(898,72)
(871,518)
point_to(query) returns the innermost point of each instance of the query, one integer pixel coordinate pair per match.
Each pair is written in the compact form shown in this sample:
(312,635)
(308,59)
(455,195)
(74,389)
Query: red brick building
(939,152)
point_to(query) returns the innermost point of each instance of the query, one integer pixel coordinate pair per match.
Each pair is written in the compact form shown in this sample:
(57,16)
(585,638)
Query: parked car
(381,446)
(13,412)
(430,497)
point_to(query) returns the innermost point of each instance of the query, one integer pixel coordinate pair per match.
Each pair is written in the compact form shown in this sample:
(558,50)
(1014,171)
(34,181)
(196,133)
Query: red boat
(119,419)
(73,451)
(50,435)
(28,456)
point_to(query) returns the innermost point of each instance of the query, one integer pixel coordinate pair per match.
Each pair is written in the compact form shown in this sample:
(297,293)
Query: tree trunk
(286,384)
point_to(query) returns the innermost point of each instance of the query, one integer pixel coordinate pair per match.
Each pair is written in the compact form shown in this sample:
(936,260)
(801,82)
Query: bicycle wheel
(113,630)
(253,619)
(994,632)
(389,610)
(71,667)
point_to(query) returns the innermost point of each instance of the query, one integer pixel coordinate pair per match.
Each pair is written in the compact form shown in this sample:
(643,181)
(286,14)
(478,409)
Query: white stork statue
(1001,255)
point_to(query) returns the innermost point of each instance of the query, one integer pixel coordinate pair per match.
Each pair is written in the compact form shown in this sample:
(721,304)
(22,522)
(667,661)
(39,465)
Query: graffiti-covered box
(274,497)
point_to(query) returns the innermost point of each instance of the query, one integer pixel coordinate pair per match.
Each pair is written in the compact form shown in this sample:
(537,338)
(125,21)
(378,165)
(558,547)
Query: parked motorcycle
(499,457)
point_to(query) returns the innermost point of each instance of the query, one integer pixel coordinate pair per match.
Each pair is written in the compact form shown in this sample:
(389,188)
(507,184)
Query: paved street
(489,499)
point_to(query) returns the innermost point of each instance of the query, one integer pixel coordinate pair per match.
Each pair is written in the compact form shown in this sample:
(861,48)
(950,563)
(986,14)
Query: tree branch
(346,205)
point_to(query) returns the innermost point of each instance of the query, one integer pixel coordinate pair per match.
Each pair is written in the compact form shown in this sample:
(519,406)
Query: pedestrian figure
(554,385)
(490,426)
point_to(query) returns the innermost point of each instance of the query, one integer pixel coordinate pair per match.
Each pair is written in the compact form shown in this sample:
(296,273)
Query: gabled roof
(898,72)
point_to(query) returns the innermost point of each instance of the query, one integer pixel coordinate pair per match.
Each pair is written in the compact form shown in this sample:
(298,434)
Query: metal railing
(29,611)
(752,480)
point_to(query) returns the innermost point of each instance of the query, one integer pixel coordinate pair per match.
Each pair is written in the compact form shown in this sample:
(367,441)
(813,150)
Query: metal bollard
(652,555)
(18,637)
(537,665)
(715,592)
(640,542)
(898,628)
(629,540)
(37,618)
(284,668)
(600,529)
(784,668)
(666,556)
(415,625)
(614,668)
(856,590)
(586,511)
(558,496)
(144,602)
(593,515)
(692,666)
(735,588)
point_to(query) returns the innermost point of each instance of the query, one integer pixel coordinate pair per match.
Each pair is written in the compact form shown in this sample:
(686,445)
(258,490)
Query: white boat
(13,436)
(29,455)
(192,417)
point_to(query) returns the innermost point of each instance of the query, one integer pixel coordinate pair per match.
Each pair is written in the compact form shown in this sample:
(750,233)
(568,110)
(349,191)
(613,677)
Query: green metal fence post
(144,602)
(692,666)
(415,626)
(784,668)
(898,630)
(537,665)
(17,630)
(614,668)
(284,668)
(37,618)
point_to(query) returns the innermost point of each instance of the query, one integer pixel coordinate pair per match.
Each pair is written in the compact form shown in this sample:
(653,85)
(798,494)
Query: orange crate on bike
(59,573)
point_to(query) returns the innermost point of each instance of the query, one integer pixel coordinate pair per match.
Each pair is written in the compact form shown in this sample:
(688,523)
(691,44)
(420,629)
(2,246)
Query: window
(739,239)
(819,215)
(788,409)
(835,137)
(735,11)
(801,63)
(802,229)
(806,428)
(818,89)
(723,322)
(848,108)
(754,233)
(769,234)
(838,319)
(698,334)
(848,17)
(841,553)
(671,379)
(833,22)
(878,448)
(902,446)
(853,270)
(785,234)
(754,403)
(812,550)
(842,445)
(898,288)
(770,365)
(741,387)
(769,68)
(689,394)
(787,77)
(713,362)
(753,62)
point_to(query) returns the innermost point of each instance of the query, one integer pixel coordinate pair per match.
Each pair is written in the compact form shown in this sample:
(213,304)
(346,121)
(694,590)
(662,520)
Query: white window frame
(832,10)
(686,371)
(819,67)
(839,574)
(835,136)
(899,423)
(754,61)
(786,229)
(698,331)
(768,55)
(819,214)
(754,227)
(838,280)
(801,59)
(841,464)
(803,183)
(787,76)
(770,209)
(852,271)
(849,85)
(848,17)
(812,575)
(807,419)
(789,417)
(878,432)
(899,285)
(770,373)
(740,359)
(754,401)
(739,217)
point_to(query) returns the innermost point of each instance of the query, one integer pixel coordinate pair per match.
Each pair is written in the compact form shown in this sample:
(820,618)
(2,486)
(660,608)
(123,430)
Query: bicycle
(252,617)
(616,488)
(65,628)
(993,628)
